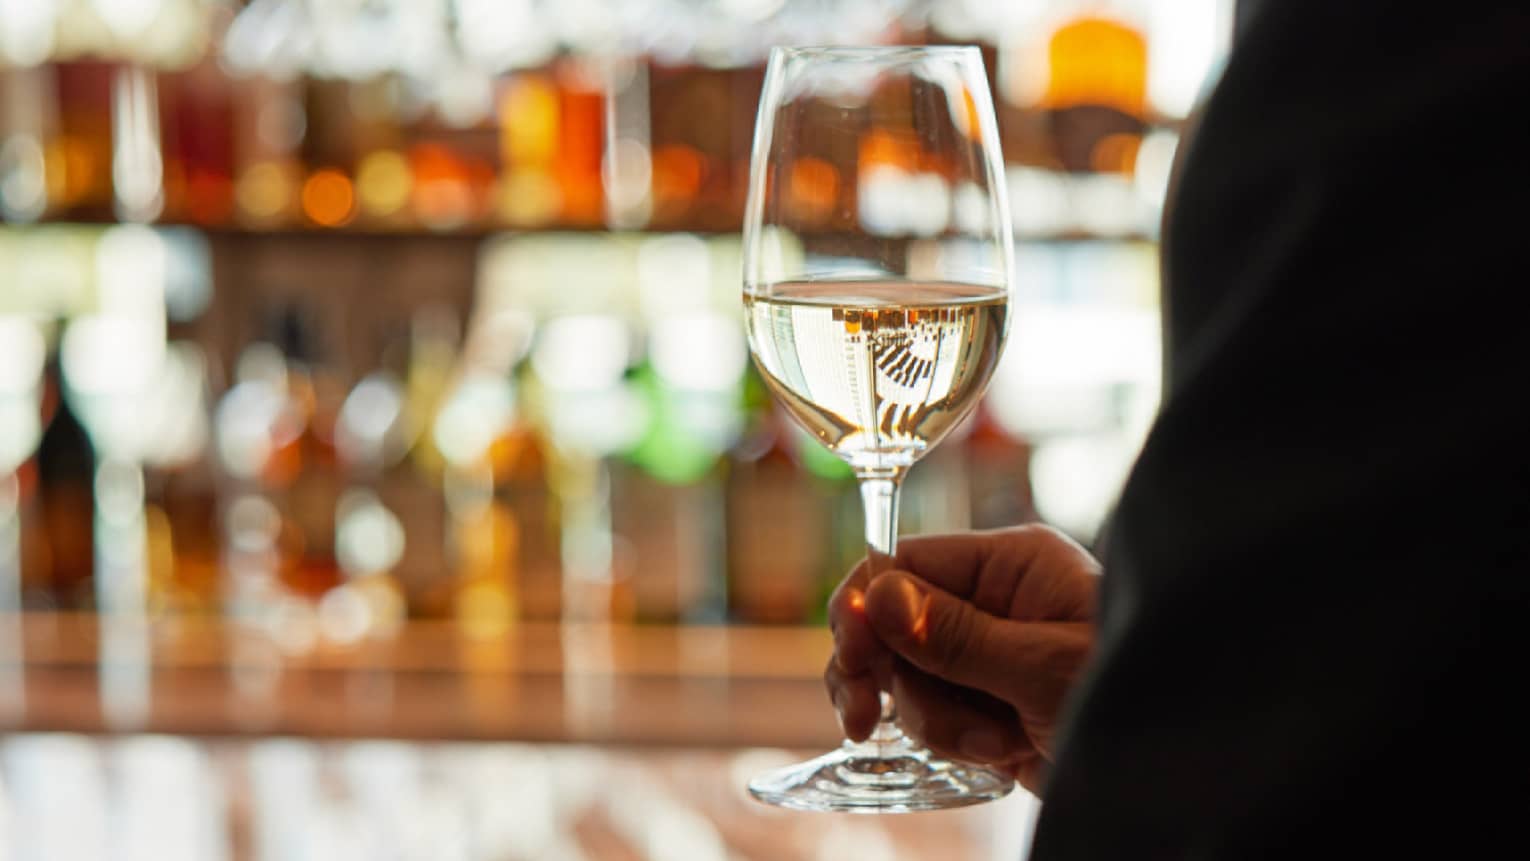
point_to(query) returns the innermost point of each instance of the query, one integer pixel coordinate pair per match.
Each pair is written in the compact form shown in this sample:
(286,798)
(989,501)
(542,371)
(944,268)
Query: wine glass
(877,258)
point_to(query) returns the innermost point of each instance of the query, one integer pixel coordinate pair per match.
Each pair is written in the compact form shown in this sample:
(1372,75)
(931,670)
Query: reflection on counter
(68,798)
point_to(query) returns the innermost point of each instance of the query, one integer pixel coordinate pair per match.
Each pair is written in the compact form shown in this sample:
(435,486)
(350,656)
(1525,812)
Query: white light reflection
(23,179)
(1039,201)
(244,420)
(20,430)
(1186,39)
(627,169)
(970,212)
(1075,479)
(131,265)
(188,273)
(499,777)
(674,275)
(127,19)
(1155,161)
(169,803)
(385,782)
(369,537)
(22,353)
(477,412)
(137,162)
(273,38)
(893,201)
(846,838)
(498,339)
(1080,378)
(676,343)
(58,787)
(123,659)
(253,524)
(501,35)
(371,428)
(582,353)
(26,39)
(286,805)
(175,409)
(588,693)
(344,615)
(464,96)
(1106,205)
(53,274)
(110,355)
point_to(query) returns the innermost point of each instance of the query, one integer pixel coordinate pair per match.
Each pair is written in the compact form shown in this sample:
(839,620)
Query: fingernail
(983,745)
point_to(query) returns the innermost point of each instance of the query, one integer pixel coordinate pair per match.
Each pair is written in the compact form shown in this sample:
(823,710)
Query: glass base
(872,777)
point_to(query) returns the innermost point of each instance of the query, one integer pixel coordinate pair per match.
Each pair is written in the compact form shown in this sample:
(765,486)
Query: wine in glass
(876,277)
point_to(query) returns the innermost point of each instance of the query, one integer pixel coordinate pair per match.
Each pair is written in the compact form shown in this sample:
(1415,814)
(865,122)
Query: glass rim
(874,51)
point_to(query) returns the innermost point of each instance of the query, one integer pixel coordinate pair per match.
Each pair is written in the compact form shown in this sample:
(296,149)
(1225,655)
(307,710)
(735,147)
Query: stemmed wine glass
(876,276)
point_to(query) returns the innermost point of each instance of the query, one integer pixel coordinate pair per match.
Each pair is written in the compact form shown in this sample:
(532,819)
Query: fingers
(1030,665)
(857,700)
(959,723)
(1030,572)
(856,648)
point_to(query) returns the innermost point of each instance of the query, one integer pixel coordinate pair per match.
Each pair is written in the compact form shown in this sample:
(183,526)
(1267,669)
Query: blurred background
(374,369)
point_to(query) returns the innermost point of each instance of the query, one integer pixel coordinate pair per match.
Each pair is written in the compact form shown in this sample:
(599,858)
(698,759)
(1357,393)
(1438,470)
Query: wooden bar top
(548,682)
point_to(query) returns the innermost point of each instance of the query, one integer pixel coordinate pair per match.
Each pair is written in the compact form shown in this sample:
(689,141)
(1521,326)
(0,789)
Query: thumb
(1030,665)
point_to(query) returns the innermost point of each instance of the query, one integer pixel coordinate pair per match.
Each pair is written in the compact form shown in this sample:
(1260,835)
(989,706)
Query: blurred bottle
(66,472)
(303,471)
(183,541)
(31,153)
(269,125)
(197,119)
(395,487)
(522,487)
(582,108)
(384,181)
(998,470)
(181,478)
(83,150)
(780,525)
(1096,88)
(667,503)
(530,117)
(504,526)
(328,155)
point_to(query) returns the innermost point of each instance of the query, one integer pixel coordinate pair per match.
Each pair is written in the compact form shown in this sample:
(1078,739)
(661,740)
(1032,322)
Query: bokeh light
(329,199)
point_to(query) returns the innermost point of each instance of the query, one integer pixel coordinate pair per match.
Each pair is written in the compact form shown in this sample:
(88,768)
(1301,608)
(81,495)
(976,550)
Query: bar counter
(544,682)
(211,740)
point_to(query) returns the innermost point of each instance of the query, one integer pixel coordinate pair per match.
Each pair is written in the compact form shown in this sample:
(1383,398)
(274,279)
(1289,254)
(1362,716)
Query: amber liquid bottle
(304,471)
(81,156)
(66,469)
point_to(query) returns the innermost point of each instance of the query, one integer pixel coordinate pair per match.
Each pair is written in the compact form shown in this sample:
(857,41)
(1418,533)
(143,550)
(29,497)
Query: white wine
(879,371)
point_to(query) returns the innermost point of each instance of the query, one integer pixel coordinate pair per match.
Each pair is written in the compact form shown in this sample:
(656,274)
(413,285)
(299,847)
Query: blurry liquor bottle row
(578,141)
(350,432)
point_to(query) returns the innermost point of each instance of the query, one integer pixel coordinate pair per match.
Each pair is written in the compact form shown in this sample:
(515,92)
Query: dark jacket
(1313,636)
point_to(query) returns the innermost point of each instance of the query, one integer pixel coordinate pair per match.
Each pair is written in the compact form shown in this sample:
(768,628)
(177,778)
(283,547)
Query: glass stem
(879,503)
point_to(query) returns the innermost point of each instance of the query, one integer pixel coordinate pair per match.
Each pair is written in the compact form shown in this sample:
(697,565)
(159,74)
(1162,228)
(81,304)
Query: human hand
(979,637)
